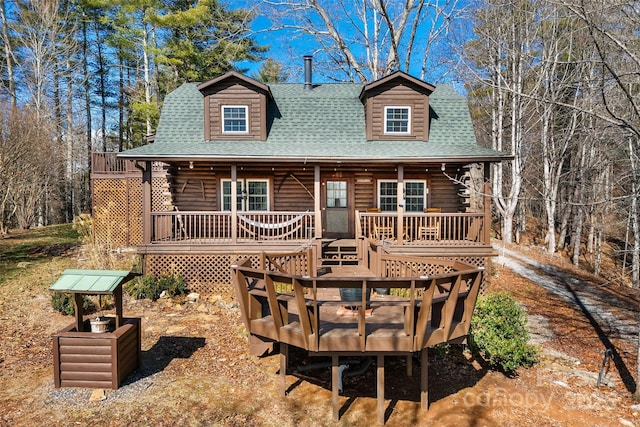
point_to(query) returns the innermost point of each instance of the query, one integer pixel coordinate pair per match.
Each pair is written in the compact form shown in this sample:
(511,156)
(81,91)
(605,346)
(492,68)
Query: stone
(97,395)
(193,297)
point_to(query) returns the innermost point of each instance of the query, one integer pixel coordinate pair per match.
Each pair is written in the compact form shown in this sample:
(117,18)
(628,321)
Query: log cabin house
(345,170)
(286,193)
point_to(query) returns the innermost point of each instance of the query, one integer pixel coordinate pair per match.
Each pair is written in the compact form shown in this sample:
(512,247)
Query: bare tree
(501,58)
(367,39)
(28,165)
(9,56)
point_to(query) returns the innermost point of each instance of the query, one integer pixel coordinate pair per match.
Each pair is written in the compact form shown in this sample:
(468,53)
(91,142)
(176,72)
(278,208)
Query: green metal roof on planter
(326,123)
(91,281)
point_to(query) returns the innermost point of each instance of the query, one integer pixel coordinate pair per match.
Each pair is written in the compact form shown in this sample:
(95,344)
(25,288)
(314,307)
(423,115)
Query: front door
(337,219)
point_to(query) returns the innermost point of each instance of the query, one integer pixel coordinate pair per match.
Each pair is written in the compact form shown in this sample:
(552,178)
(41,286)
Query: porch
(388,228)
(197,217)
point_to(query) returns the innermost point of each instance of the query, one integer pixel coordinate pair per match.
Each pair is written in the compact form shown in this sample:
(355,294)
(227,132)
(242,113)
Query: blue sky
(289,48)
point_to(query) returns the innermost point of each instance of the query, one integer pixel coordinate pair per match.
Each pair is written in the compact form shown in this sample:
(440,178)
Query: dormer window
(234,119)
(397,120)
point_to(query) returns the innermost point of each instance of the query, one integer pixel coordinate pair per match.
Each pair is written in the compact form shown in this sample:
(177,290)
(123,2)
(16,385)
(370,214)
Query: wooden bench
(434,310)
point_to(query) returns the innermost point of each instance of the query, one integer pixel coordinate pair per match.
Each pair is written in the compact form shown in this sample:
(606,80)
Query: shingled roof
(325,124)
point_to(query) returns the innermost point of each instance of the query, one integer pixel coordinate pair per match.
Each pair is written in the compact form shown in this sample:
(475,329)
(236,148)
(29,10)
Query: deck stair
(340,252)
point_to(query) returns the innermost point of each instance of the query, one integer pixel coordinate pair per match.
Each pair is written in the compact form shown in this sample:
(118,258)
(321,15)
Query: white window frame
(224,120)
(244,201)
(397,107)
(422,181)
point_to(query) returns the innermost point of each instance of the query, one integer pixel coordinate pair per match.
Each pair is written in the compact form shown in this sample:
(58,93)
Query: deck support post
(334,386)
(380,369)
(284,361)
(147,203)
(410,365)
(424,379)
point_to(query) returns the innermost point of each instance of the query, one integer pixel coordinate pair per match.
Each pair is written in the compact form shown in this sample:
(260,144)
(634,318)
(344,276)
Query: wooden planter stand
(95,359)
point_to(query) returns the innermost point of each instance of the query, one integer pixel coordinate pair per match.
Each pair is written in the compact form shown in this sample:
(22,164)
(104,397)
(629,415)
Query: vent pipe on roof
(308,84)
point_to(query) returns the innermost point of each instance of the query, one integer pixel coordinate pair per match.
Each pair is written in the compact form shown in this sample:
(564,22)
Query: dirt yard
(196,370)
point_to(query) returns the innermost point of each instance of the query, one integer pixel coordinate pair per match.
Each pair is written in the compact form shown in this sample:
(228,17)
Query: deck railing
(425,229)
(418,229)
(433,310)
(108,163)
(216,227)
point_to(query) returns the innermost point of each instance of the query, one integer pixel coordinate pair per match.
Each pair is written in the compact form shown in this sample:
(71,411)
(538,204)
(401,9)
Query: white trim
(406,107)
(223,119)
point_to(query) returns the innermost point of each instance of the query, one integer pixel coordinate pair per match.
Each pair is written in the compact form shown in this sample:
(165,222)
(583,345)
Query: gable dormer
(397,108)
(235,108)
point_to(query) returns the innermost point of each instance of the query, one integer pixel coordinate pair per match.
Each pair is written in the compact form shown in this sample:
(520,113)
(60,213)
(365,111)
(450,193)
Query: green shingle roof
(323,124)
(90,281)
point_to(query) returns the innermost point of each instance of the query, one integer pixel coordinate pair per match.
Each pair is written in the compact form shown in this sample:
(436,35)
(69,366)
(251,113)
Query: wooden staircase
(340,252)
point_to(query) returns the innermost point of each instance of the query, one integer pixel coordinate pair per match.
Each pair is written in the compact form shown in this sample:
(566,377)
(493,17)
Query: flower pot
(353,294)
(100,324)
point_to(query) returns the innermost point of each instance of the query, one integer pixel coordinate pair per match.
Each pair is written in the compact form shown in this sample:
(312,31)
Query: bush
(499,335)
(151,287)
(63,303)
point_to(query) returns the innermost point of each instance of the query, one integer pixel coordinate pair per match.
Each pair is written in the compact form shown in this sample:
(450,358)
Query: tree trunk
(8,55)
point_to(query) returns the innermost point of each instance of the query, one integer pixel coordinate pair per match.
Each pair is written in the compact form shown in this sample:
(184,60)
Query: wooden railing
(108,163)
(433,310)
(216,227)
(299,263)
(425,229)
(213,227)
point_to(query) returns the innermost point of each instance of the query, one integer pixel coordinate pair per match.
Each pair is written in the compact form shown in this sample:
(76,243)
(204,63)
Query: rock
(193,297)
(97,395)
(164,294)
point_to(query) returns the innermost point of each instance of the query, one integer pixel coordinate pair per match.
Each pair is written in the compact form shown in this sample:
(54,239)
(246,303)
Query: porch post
(146,204)
(400,206)
(486,230)
(234,204)
(316,201)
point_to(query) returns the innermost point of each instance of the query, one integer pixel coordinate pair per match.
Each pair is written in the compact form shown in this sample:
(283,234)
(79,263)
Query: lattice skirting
(204,274)
(399,268)
(117,209)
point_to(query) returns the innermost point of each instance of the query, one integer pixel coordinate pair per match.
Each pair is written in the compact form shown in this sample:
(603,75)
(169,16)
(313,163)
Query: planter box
(96,359)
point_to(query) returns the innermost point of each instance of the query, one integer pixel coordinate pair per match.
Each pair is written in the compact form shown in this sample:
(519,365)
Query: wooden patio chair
(474,230)
(381,232)
(430,230)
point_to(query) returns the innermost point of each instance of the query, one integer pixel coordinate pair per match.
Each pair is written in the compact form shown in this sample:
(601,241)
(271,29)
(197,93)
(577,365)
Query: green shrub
(151,287)
(498,333)
(63,303)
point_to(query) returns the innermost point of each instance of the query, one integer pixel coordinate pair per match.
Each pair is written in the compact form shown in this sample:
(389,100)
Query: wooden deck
(308,312)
